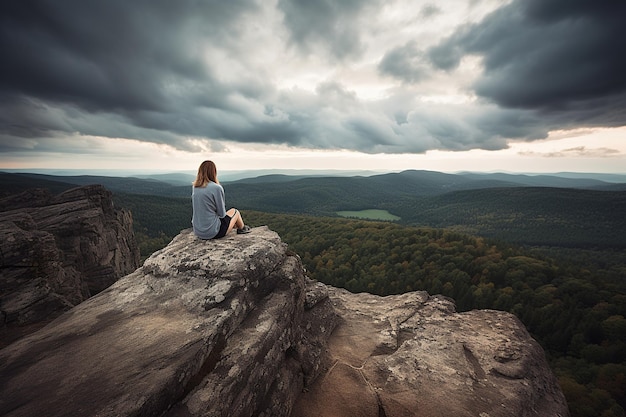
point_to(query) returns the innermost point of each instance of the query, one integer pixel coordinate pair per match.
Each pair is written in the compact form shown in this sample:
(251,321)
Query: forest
(553,257)
(529,210)
(575,310)
(572,300)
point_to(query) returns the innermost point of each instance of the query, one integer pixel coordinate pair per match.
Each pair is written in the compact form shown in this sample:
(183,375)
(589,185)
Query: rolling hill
(581,212)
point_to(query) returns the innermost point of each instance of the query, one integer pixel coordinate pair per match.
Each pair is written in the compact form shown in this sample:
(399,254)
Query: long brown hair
(207,172)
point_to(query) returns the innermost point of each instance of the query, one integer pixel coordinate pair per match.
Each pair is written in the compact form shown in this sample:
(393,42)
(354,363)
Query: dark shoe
(243,230)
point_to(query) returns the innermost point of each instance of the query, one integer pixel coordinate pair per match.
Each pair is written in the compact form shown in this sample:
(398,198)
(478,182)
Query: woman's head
(206,172)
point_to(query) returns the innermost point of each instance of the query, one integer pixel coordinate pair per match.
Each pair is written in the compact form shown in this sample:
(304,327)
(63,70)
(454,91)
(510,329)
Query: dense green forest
(520,209)
(573,301)
(531,210)
(527,215)
(575,312)
(156,219)
(553,257)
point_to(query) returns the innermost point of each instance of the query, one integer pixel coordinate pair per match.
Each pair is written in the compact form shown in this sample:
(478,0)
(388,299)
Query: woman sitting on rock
(210,219)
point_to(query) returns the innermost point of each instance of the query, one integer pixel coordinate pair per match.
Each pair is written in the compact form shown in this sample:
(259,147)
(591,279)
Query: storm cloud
(184,72)
(564,59)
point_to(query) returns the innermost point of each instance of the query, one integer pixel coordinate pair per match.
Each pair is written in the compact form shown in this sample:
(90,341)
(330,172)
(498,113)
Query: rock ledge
(232,327)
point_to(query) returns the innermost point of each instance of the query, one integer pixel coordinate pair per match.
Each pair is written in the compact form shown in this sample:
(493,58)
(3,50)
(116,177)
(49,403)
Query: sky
(460,85)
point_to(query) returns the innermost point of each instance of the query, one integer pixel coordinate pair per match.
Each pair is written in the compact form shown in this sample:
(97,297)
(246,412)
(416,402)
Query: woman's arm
(220,201)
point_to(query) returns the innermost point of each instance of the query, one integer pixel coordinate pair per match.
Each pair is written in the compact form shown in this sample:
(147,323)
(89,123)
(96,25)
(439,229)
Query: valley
(551,250)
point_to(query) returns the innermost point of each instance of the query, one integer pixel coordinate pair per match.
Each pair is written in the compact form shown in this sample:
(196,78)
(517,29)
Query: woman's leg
(236,220)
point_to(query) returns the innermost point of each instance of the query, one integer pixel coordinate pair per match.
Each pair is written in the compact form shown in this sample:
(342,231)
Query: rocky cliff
(56,251)
(233,327)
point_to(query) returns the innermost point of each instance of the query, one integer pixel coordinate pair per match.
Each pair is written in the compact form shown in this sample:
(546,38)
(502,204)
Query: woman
(210,219)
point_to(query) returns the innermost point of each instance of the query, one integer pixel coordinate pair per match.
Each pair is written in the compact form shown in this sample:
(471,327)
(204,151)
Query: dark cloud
(404,63)
(559,57)
(136,70)
(178,72)
(465,127)
(336,26)
(113,55)
(115,68)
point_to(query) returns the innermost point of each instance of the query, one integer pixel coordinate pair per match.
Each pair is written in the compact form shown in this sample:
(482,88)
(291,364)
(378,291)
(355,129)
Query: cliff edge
(233,327)
(58,250)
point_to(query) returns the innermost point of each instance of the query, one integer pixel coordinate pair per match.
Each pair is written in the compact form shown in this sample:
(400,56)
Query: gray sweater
(208,207)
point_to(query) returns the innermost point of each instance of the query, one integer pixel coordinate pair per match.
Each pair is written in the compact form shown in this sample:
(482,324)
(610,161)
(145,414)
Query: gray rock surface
(56,251)
(204,328)
(232,327)
(413,355)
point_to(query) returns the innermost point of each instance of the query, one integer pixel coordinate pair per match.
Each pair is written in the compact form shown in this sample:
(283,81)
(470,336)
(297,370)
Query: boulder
(204,328)
(413,355)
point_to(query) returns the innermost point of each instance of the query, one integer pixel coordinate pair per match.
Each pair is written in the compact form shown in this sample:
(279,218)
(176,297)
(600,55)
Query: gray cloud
(119,69)
(336,26)
(560,58)
(141,70)
(579,151)
(111,55)
(429,10)
(404,63)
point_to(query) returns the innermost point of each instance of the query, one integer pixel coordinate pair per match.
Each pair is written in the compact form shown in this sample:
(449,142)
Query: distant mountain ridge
(326,195)
(465,180)
(529,215)
(538,210)
(130,185)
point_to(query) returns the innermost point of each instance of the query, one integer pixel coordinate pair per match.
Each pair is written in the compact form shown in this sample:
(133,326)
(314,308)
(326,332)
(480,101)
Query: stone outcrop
(56,251)
(413,355)
(232,327)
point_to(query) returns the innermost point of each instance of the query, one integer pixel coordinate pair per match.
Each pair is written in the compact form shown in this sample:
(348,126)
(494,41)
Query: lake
(370,214)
